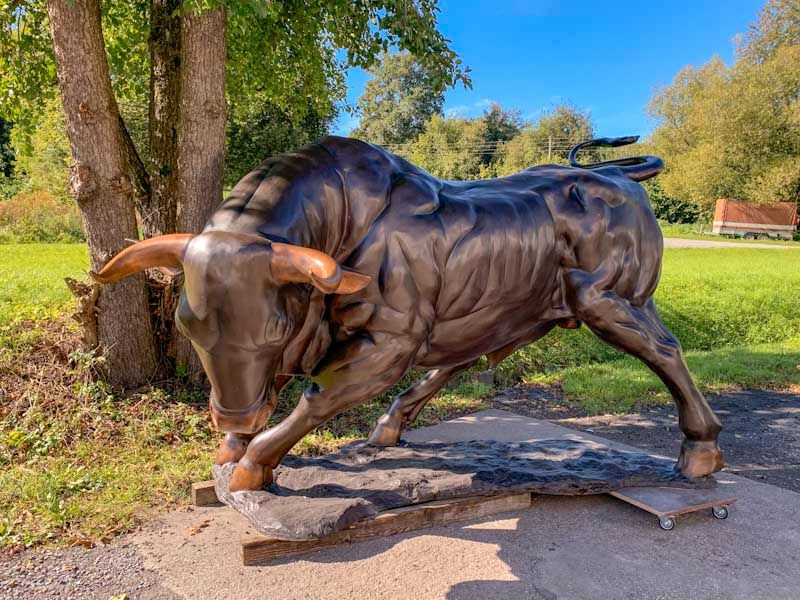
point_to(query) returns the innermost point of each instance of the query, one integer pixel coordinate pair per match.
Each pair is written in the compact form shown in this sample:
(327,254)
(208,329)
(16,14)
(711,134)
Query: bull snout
(248,420)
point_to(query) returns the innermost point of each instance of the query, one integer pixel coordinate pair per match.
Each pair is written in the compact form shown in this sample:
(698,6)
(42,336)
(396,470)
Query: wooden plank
(259,549)
(204,494)
(669,502)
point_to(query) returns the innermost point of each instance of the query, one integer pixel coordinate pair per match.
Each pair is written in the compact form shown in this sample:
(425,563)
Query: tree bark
(100,183)
(201,133)
(157,213)
(159,217)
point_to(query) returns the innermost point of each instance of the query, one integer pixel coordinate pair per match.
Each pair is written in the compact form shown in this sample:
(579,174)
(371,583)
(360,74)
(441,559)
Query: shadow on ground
(760,439)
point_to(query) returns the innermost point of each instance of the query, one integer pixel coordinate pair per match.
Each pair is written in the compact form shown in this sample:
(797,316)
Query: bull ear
(294,264)
(163,251)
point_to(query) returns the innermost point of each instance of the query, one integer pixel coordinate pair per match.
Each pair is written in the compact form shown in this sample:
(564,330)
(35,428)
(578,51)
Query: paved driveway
(561,548)
(681,243)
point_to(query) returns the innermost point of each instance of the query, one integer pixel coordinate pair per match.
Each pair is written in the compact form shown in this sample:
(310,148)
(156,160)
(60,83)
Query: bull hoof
(249,476)
(385,433)
(699,459)
(231,449)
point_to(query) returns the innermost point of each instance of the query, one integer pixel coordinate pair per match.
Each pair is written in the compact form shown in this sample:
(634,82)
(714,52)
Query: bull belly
(460,341)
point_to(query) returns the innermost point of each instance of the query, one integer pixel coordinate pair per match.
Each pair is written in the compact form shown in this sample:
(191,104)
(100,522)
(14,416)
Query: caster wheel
(666,523)
(720,512)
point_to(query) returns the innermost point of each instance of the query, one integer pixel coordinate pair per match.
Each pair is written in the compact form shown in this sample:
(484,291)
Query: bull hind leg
(639,331)
(408,405)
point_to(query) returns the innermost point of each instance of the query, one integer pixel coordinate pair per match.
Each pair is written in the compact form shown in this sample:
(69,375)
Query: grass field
(32,278)
(78,464)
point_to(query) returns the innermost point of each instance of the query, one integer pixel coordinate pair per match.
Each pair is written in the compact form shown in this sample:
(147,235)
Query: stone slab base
(313,497)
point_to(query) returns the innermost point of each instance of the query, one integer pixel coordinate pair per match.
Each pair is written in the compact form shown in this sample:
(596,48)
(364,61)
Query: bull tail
(637,168)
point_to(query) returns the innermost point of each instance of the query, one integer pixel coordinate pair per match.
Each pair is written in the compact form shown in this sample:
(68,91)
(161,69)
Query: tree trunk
(100,183)
(201,134)
(158,209)
(165,83)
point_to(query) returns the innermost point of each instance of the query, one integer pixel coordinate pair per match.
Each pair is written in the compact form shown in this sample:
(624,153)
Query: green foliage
(451,148)
(501,126)
(778,25)
(27,70)
(398,101)
(734,132)
(6,152)
(496,143)
(548,140)
(39,217)
(43,156)
(259,134)
(284,71)
(669,209)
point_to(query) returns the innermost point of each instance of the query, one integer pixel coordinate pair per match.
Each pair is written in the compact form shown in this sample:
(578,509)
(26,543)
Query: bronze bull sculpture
(349,265)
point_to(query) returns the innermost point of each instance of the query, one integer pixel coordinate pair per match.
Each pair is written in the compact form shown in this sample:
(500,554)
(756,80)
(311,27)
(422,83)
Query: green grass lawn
(78,463)
(736,312)
(32,278)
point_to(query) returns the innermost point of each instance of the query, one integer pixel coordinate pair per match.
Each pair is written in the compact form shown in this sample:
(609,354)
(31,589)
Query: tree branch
(139,176)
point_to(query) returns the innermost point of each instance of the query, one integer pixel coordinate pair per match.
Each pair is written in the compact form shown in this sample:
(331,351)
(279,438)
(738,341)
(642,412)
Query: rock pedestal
(315,496)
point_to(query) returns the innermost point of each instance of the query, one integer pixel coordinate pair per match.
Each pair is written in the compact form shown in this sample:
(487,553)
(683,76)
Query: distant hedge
(39,217)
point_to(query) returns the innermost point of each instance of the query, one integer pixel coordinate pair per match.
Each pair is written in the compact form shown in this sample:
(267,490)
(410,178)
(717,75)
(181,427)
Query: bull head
(239,309)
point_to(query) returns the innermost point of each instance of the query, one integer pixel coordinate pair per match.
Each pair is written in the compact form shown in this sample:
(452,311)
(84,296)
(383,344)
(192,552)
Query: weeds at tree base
(80,464)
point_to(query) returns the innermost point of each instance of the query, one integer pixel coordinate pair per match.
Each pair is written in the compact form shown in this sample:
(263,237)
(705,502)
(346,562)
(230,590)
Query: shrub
(39,217)
(669,209)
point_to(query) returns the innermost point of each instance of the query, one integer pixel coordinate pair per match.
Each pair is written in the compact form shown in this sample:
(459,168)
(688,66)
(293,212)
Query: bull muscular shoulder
(461,268)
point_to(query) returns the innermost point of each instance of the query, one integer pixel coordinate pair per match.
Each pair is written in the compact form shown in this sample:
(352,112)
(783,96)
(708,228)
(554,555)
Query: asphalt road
(681,243)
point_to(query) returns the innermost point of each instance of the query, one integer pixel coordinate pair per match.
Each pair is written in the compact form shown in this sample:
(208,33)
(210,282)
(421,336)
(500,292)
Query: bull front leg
(359,371)
(408,405)
(234,445)
(639,331)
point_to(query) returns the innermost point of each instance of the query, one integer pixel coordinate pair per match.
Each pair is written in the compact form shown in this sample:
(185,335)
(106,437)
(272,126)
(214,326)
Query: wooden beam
(204,494)
(259,549)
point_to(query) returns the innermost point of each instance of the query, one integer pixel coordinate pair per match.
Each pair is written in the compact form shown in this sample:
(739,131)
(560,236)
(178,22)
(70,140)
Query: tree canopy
(734,131)
(166,83)
(498,142)
(548,140)
(398,101)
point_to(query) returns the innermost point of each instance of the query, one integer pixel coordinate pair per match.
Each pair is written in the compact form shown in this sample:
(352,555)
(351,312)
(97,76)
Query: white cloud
(469,110)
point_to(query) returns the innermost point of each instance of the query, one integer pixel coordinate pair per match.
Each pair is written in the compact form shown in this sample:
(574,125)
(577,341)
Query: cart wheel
(720,512)
(666,523)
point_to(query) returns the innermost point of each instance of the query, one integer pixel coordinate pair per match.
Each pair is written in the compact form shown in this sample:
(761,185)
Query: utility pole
(549,147)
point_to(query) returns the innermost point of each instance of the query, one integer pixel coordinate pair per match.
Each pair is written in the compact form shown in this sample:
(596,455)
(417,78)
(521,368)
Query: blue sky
(605,57)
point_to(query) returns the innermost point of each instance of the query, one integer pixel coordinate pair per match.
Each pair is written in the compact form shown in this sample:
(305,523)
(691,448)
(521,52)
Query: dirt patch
(760,439)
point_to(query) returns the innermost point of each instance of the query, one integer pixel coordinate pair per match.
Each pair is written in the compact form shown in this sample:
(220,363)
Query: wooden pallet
(259,549)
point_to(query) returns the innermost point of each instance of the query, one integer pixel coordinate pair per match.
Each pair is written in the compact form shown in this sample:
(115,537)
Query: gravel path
(102,572)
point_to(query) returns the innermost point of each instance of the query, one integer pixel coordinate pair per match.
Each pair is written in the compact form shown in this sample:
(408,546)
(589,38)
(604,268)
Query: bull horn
(161,251)
(295,264)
